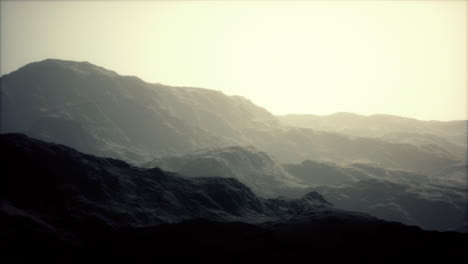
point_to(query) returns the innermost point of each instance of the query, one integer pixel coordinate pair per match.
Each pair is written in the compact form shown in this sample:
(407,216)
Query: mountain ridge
(100,112)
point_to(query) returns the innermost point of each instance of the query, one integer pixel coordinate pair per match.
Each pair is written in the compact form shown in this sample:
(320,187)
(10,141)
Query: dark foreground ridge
(58,204)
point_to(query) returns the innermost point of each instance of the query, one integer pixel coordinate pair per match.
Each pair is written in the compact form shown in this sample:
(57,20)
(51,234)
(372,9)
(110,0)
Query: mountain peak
(59,66)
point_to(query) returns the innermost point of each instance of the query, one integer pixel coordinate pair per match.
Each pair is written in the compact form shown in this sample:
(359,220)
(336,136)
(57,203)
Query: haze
(406,58)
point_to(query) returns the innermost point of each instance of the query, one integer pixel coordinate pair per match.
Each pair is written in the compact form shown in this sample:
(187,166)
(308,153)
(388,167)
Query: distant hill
(380,125)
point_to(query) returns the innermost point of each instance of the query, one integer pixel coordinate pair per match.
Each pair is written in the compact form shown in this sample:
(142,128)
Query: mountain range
(58,203)
(97,163)
(100,112)
(405,196)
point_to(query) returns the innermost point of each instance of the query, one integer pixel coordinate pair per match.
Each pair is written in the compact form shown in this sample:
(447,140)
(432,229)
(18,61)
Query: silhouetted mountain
(58,204)
(100,112)
(254,168)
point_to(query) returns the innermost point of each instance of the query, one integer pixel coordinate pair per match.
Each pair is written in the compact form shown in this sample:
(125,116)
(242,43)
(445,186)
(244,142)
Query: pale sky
(405,58)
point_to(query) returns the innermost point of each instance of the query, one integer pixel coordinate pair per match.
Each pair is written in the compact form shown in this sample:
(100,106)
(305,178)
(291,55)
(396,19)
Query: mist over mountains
(100,112)
(137,157)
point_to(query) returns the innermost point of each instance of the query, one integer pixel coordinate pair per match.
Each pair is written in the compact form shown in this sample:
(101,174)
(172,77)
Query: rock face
(254,168)
(100,112)
(57,203)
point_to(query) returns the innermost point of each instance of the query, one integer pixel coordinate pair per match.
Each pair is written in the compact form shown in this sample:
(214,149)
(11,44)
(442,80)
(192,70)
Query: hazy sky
(405,58)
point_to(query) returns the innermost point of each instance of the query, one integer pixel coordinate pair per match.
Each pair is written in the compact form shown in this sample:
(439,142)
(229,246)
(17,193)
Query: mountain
(59,204)
(380,125)
(402,196)
(100,112)
(256,169)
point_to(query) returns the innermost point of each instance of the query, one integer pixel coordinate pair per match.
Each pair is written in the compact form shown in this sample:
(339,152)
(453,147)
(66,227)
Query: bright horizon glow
(406,58)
